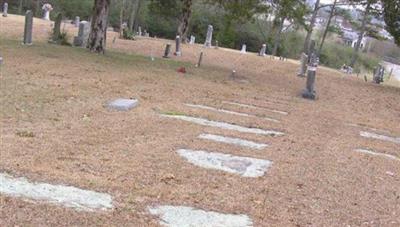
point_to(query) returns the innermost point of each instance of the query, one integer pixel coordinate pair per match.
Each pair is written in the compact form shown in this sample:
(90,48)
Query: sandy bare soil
(55,129)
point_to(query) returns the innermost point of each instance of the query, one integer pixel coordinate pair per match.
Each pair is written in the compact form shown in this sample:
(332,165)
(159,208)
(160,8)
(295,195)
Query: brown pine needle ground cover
(55,129)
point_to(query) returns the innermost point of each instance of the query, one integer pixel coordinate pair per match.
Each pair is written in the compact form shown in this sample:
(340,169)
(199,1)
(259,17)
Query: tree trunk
(121,18)
(328,23)
(310,28)
(38,9)
(20,6)
(360,35)
(184,21)
(98,32)
(134,11)
(278,37)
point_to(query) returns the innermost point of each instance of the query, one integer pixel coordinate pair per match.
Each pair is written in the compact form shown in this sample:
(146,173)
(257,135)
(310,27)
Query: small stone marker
(5,9)
(263,50)
(139,31)
(243,50)
(310,93)
(182,216)
(28,28)
(167,51)
(47,8)
(178,46)
(123,104)
(244,166)
(216,44)
(83,34)
(208,42)
(303,65)
(192,39)
(57,27)
(200,59)
(77,21)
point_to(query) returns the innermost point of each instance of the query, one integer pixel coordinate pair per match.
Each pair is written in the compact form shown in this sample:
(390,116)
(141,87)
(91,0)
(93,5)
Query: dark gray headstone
(167,51)
(5,9)
(83,34)
(28,28)
(122,104)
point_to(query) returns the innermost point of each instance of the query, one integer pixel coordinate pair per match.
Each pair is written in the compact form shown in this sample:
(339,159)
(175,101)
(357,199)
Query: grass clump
(25,134)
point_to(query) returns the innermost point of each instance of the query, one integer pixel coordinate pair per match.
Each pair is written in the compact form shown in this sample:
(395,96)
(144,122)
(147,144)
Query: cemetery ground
(56,129)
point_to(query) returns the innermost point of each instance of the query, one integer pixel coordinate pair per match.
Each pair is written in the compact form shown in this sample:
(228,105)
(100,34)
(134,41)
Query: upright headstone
(46,9)
(208,42)
(178,46)
(200,59)
(5,9)
(313,60)
(243,50)
(167,50)
(83,34)
(77,21)
(28,28)
(379,72)
(57,27)
(303,65)
(263,50)
(139,31)
(192,39)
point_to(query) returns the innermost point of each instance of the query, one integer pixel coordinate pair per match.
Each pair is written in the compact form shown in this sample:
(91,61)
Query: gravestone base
(122,104)
(309,95)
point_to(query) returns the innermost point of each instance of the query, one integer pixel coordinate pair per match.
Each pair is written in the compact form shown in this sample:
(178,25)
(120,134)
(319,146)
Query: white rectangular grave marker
(255,107)
(365,151)
(229,112)
(244,166)
(380,137)
(57,194)
(182,216)
(223,125)
(234,141)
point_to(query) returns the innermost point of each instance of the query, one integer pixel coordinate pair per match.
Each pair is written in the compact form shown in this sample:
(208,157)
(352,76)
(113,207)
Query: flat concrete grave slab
(223,125)
(365,151)
(255,107)
(122,104)
(56,194)
(183,216)
(229,112)
(373,135)
(234,141)
(244,166)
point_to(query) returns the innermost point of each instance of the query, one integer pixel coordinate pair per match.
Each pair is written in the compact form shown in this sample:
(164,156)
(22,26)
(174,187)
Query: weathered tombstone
(313,60)
(263,50)
(243,50)
(5,9)
(192,39)
(83,34)
(200,59)
(139,31)
(47,8)
(303,65)
(208,42)
(28,28)
(57,28)
(167,50)
(379,72)
(77,21)
(178,46)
